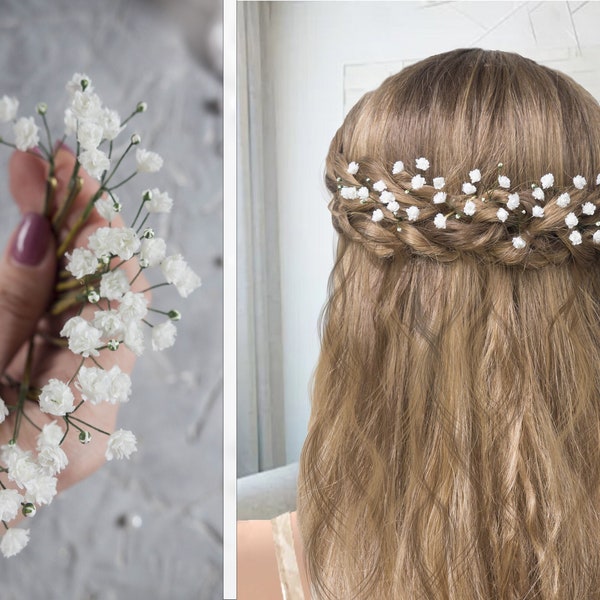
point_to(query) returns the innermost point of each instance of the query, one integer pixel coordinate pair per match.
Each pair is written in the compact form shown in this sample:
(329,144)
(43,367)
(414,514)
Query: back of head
(455,428)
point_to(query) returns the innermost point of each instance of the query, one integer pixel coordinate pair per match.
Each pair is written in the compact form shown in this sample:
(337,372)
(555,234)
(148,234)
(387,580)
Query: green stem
(23,389)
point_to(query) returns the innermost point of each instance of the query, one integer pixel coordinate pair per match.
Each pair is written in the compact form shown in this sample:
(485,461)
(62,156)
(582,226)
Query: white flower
(439,197)
(21,467)
(393,206)
(579,182)
(83,337)
(475,175)
(163,335)
(513,201)
(70,122)
(89,134)
(56,398)
(440,221)
(468,188)
(114,284)
(52,459)
(563,200)
(363,193)
(10,503)
(387,197)
(121,444)
(349,193)
(108,322)
(111,124)
(537,211)
(417,182)
(13,541)
(439,183)
(8,109)
(422,164)
(547,181)
(133,337)
(3,411)
(86,106)
(412,212)
(98,385)
(81,262)
(502,214)
(398,167)
(51,435)
(26,133)
(376,216)
(108,207)
(571,220)
(153,250)
(120,385)
(504,181)
(116,241)
(177,272)
(596,237)
(40,489)
(598,179)
(469,208)
(352,168)
(133,307)
(74,85)
(538,193)
(588,208)
(379,186)
(575,238)
(95,162)
(518,242)
(148,162)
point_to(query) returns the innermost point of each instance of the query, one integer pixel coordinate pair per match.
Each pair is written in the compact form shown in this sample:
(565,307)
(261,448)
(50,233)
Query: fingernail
(60,145)
(37,151)
(31,241)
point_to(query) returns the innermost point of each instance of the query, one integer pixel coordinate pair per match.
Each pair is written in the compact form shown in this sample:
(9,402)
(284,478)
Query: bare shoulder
(257,574)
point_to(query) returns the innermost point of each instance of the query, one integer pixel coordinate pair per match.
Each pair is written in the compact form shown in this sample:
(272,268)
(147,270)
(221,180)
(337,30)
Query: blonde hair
(454,442)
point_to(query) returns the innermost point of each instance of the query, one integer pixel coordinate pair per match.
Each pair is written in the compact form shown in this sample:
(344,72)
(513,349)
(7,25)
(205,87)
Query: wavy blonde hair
(454,442)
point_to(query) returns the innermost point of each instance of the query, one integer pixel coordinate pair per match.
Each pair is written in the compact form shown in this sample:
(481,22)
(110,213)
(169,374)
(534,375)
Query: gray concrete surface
(85,545)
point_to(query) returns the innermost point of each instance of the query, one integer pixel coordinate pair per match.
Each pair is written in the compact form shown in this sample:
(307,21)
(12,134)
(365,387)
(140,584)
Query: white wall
(324,52)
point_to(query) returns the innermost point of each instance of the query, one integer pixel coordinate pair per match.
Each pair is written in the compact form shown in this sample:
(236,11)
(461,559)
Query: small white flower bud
(174,315)
(113,345)
(147,196)
(141,107)
(135,139)
(93,296)
(85,437)
(41,108)
(29,509)
(148,233)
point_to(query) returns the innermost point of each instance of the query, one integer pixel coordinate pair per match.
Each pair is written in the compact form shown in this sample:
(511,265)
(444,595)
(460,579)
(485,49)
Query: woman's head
(455,427)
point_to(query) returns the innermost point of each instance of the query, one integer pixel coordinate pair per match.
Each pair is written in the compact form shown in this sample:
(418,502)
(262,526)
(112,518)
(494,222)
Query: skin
(25,294)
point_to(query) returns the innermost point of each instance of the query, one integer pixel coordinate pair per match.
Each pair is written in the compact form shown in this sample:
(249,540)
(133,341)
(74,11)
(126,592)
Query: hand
(27,278)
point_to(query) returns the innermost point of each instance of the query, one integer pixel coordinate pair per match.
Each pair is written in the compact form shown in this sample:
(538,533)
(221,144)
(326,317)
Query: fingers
(27,272)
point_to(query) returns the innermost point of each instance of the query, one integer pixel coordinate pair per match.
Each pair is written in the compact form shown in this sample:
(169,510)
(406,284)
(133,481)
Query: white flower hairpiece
(513,201)
(469,189)
(579,182)
(412,213)
(439,197)
(379,186)
(469,208)
(398,167)
(537,211)
(417,182)
(575,238)
(439,183)
(353,168)
(475,175)
(547,181)
(504,181)
(563,200)
(538,193)
(422,164)
(440,221)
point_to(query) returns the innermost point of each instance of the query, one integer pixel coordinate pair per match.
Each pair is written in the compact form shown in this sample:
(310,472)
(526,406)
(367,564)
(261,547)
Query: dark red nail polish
(31,241)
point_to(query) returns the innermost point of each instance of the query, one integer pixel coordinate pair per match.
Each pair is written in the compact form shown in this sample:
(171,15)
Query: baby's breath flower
(363,193)
(468,188)
(571,220)
(417,182)
(386,197)
(83,337)
(121,444)
(518,242)
(377,215)
(89,134)
(596,237)
(41,488)
(133,337)
(439,183)
(398,167)
(579,182)
(439,197)
(80,82)
(52,459)
(475,175)
(469,208)
(3,411)
(349,193)
(108,208)
(163,335)
(108,321)
(9,107)
(177,271)
(440,221)
(13,541)
(422,164)
(538,193)
(379,186)
(598,179)
(51,435)
(352,168)
(504,181)
(114,241)
(70,121)
(537,211)
(10,502)
(133,306)
(111,124)
(393,206)
(95,162)
(513,201)
(148,162)
(81,262)
(153,250)
(136,139)
(412,213)
(56,398)
(29,509)
(86,106)
(547,181)
(588,208)
(26,133)
(502,214)
(563,200)
(575,238)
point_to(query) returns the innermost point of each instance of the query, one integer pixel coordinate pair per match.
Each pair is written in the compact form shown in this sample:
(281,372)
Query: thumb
(27,274)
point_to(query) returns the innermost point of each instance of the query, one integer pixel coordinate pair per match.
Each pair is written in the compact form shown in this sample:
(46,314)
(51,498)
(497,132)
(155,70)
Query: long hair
(454,441)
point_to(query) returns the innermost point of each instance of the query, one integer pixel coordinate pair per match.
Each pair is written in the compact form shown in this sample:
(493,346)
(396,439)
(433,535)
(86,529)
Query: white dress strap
(287,563)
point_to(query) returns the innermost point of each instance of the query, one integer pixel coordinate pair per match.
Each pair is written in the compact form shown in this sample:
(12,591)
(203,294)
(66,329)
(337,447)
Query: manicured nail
(31,241)
(37,151)
(60,145)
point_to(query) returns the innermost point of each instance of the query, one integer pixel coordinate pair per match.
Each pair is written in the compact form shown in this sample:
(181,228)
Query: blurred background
(301,67)
(150,527)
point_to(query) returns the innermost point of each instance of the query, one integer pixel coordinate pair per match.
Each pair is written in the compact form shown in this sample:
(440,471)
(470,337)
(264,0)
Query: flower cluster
(119,312)
(469,188)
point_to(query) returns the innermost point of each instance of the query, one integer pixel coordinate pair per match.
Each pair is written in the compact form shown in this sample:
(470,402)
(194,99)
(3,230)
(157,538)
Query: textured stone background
(85,545)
